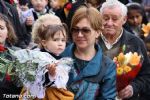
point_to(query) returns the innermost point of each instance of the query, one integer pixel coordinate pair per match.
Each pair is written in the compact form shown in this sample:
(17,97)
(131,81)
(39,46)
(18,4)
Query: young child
(135,18)
(8,84)
(39,8)
(53,40)
(23,9)
(24,5)
(7,34)
(47,19)
(31,15)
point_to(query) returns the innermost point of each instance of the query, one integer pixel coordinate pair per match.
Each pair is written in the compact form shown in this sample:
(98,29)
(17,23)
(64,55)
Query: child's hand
(52,69)
(29,21)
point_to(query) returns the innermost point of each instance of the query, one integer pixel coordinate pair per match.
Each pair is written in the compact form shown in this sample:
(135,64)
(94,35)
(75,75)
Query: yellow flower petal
(121,58)
(146,29)
(119,70)
(135,59)
(127,69)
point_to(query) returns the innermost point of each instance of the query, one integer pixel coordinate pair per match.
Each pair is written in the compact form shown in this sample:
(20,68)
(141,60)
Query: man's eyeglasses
(85,31)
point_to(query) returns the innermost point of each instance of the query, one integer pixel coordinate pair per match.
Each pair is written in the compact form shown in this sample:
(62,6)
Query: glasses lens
(84,31)
(75,30)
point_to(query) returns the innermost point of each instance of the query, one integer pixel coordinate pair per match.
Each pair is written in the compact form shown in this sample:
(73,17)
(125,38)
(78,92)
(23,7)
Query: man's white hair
(114,3)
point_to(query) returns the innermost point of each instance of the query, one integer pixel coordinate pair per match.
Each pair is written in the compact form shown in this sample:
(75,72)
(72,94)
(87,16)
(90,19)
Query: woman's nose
(80,34)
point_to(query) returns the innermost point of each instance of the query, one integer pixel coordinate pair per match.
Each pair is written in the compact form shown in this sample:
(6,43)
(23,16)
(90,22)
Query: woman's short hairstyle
(92,15)
(114,3)
(12,38)
(40,22)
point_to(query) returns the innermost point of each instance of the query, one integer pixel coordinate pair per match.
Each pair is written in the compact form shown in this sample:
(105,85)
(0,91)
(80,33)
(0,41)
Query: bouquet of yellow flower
(146,29)
(128,66)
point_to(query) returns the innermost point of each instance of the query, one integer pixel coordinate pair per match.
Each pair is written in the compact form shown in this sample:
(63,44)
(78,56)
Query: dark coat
(12,14)
(141,84)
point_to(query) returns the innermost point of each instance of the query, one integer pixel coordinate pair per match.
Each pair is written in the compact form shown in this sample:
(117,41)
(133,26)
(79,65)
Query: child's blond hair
(54,20)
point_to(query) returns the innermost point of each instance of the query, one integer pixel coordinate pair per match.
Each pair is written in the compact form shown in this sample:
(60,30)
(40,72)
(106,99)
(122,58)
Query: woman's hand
(52,69)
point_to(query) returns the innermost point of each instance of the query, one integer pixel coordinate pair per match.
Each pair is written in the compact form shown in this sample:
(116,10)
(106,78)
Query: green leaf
(10,68)
(4,61)
(30,78)
(3,70)
(123,48)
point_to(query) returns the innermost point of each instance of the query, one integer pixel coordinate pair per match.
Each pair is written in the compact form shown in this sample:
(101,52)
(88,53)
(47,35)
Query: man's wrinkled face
(113,21)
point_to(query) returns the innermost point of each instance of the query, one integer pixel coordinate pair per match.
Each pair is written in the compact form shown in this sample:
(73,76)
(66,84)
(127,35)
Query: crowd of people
(92,33)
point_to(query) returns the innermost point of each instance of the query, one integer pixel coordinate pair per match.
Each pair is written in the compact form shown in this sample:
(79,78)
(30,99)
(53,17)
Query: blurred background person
(146,5)
(136,16)
(60,8)
(11,12)
(31,15)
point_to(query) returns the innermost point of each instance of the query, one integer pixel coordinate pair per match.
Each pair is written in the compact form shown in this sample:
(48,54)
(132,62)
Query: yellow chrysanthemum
(127,69)
(119,70)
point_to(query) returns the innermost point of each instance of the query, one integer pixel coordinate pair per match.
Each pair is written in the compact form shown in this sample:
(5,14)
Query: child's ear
(43,42)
